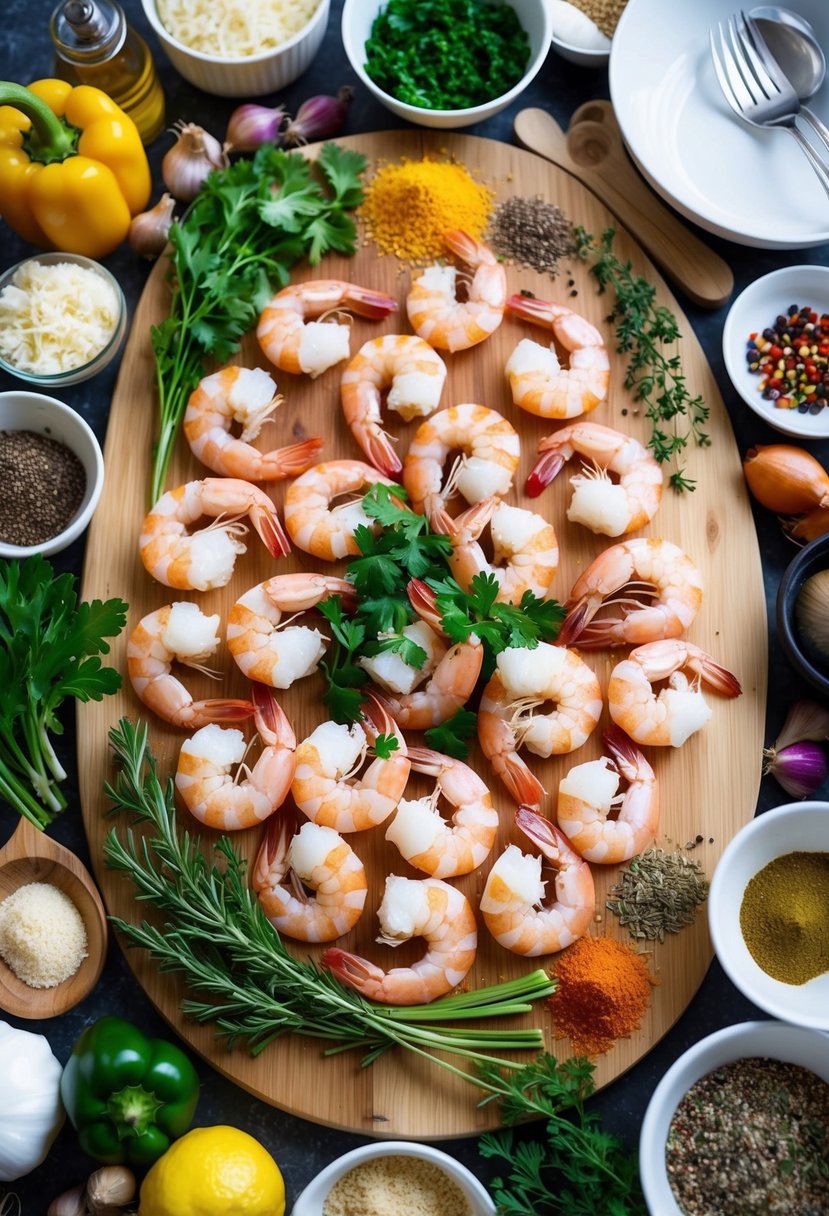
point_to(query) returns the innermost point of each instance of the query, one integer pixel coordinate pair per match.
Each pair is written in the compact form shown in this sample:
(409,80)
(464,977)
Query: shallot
(194,155)
(786,478)
(149,230)
(252,125)
(318,118)
(800,768)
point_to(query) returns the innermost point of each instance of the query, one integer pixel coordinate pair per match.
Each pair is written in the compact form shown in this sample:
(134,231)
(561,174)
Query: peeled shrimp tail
(499,746)
(271,862)
(217,709)
(355,972)
(374,305)
(269,527)
(271,720)
(714,674)
(546,836)
(378,721)
(544,471)
(626,756)
(576,621)
(290,461)
(378,447)
(424,601)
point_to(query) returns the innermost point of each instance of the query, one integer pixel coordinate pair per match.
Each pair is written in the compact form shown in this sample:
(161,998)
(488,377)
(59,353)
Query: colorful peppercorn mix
(792,359)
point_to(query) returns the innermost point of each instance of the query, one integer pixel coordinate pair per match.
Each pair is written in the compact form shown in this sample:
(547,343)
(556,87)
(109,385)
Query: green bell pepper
(126,1095)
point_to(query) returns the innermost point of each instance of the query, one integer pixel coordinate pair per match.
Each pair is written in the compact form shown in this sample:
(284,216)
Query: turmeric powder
(408,207)
(604,990)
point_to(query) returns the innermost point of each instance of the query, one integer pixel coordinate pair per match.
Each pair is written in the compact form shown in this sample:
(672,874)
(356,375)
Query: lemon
(214,1171)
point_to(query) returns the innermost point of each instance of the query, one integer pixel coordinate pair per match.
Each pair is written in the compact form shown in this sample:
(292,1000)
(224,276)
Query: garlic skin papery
(149,230)
(31,1113)
(194,155)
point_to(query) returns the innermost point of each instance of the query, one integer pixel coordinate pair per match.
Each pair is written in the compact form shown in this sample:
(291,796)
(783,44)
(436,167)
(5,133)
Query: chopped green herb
(446,54)
(384,745)
(451,736)
(643,329)
(345,679)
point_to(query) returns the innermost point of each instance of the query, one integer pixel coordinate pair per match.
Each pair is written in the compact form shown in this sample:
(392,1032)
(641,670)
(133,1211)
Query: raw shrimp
(614,581)
(539,384)
(203,560)
(587,798)
(247,396)
(319,858)
(325,788)
(425,839)
(177,633)
(414,907)
(513,904)
(524,549)
(602,505)
(412,372)
(313,524)
(203,776)
(491,450)
(668,718)
(268,650)
(439,317)
(452,682)
(523,681)
(292,338)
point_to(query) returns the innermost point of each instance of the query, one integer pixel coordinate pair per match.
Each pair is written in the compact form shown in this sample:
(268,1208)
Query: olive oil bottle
(95,45)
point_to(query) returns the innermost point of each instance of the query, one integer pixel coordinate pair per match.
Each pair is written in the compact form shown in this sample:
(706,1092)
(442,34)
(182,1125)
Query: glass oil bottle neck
(86,32)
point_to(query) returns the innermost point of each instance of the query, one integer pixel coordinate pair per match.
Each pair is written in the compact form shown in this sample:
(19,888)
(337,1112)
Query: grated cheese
(42,935)
(55,317)
(236,27)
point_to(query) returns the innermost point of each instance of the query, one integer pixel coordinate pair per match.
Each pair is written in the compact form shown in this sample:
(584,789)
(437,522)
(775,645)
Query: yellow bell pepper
(73,170)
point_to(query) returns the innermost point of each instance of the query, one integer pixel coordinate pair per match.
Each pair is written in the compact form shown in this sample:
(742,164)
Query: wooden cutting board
(709,787)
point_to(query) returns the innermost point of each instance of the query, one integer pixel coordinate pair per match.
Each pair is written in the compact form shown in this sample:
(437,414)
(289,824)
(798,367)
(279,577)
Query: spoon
(593,152)
(797,52)
(32,856)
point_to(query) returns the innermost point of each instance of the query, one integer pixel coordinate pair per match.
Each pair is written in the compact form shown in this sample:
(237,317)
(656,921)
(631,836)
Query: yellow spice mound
(410,205)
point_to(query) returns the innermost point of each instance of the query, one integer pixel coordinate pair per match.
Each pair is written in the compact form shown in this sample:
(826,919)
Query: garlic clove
(149,230)
(70,1203)
(194,155)
(109,1189)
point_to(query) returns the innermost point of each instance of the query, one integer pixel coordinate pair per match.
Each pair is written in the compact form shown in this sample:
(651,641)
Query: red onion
(318,118)
(800,768)
(250,126)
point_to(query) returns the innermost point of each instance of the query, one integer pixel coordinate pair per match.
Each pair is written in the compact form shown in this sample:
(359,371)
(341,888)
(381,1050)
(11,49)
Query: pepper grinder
(95,45)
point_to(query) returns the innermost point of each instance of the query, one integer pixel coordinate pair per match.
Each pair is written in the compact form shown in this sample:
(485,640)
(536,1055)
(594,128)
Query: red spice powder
(604,990)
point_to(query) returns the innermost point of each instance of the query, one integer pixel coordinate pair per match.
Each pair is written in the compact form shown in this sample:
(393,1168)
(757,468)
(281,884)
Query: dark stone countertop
(300,1147)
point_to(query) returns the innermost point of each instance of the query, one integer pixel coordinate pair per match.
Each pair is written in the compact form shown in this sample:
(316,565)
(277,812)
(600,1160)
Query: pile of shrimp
(315,799)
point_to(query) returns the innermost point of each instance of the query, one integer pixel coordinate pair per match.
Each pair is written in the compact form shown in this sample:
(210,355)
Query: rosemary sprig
(217,937)
(643,330)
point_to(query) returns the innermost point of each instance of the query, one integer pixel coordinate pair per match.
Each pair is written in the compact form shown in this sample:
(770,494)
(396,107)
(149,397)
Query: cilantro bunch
(234,248)
(405,549)
(49,647)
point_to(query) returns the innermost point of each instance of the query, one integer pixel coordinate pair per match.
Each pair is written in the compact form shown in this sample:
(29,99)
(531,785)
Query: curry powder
(784,917)
(604,990)
(408,206)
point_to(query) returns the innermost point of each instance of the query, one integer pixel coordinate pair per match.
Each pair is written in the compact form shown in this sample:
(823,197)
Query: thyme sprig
(216,936)
(643,331)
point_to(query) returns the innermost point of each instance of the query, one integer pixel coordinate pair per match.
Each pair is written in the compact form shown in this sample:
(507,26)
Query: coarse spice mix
(751,1138)
(791,357)
(43,486)
(658,893)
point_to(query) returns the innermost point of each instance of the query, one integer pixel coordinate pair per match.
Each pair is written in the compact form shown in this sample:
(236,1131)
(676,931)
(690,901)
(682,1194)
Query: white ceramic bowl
(358,18)
(753,311)
(104,356)
(567,45)
(21,410)
(312,1198)
(774,1040)
(243,75)
(793,828)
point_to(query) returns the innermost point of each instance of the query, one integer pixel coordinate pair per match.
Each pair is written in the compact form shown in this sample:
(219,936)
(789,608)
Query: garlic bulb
(31,1113)
(811,613)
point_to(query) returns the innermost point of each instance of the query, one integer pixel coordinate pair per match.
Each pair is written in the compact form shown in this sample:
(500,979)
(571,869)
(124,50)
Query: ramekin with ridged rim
(243,75)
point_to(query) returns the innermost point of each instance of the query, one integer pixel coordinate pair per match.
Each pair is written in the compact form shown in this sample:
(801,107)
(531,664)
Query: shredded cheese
(42,935)
(55,317)
(235,27)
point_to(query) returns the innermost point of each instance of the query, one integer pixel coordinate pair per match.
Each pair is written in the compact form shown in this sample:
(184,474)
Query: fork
(751,91)
(780,79)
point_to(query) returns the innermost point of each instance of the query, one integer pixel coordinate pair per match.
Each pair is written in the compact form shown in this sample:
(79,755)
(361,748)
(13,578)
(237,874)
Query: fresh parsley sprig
(499,626)
(345,679)
(49,648)
(451,737)
(578,1169)
(232,249)
(644,329)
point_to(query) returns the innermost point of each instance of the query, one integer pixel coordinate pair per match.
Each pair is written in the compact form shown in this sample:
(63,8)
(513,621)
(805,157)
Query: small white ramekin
(243,75)
(312,1198)
(21,410)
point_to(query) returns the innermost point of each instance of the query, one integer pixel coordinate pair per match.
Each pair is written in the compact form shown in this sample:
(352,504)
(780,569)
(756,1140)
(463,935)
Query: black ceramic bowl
(811,558)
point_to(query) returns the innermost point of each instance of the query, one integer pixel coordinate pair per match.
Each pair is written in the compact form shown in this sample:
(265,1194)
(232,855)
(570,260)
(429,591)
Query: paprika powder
(604,990)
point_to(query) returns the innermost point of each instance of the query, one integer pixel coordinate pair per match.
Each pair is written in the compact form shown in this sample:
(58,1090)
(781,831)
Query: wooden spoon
(32,856)
(593,152)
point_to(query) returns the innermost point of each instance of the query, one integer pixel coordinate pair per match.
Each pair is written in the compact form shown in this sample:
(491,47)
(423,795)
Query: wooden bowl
(32,856)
